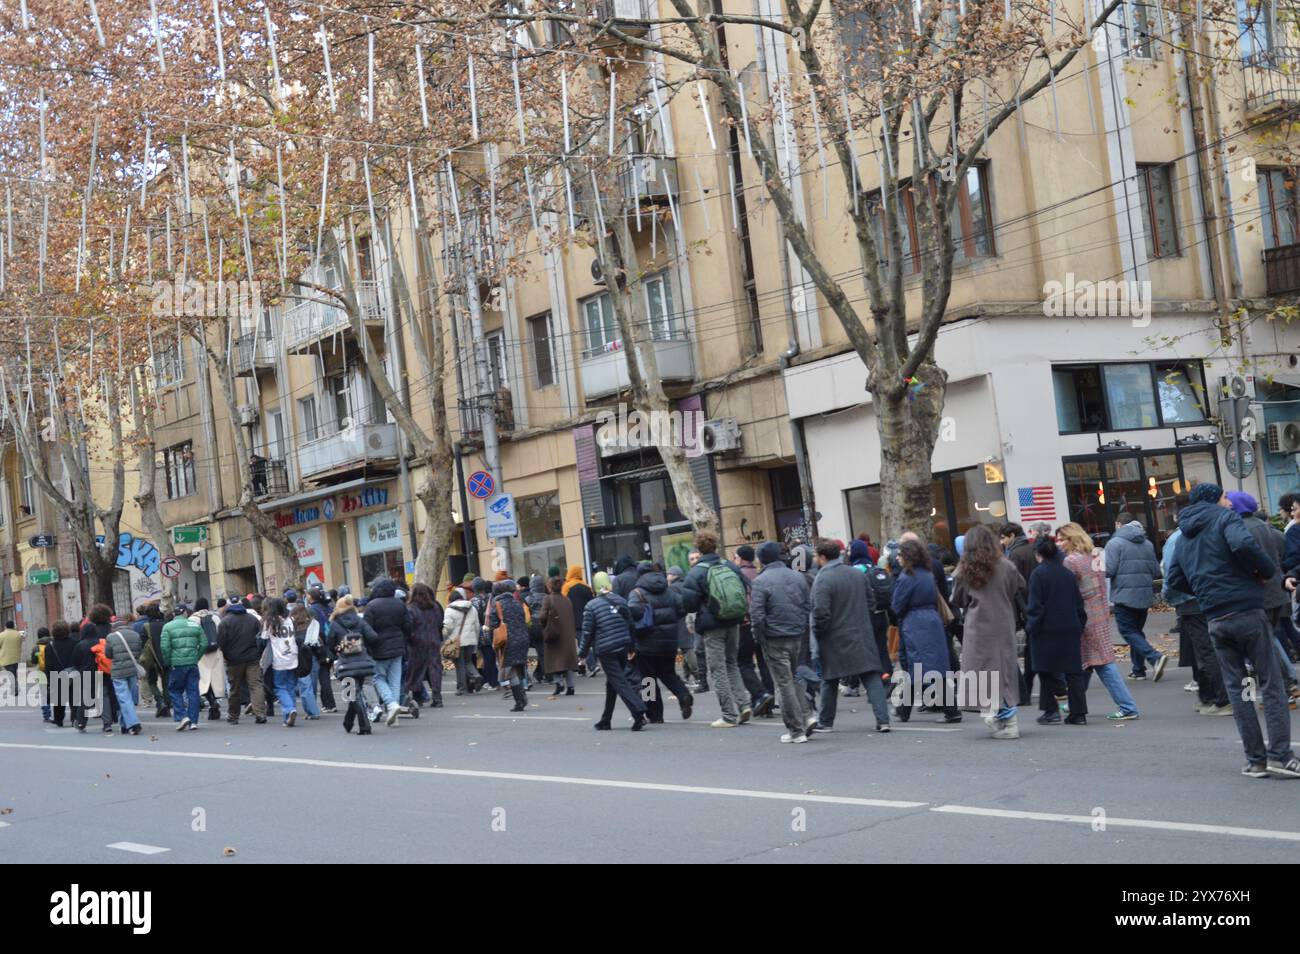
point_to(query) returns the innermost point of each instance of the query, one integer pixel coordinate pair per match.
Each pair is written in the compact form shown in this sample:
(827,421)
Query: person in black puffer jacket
(607,627)
(514,657)
(533,599)
(96,627)
(353,669)
(625,576)
(388,617)
(238,638)
(656,647)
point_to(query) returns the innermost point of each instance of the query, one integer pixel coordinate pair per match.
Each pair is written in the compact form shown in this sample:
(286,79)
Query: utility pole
(484,397)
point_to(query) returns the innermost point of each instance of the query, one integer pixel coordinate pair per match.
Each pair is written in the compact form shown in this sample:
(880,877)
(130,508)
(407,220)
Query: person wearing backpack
(656,611)
(150,627)
(122,647)
(718,594)
(351,640)
(307,636)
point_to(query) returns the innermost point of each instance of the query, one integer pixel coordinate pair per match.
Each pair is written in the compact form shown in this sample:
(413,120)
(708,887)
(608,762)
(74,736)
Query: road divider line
(137,848)
(1112,822)
(476,773)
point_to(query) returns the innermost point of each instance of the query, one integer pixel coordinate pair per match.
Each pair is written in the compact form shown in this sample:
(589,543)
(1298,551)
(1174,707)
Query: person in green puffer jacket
(183,644)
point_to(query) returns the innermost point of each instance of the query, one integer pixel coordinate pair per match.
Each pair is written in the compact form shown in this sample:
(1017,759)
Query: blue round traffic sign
(480,484)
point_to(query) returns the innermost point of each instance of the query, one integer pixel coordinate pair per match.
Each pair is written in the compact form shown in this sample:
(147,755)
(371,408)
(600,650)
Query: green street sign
(189,535)
(42,576)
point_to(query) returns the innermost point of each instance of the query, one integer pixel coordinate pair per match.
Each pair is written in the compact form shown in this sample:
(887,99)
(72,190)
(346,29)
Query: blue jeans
(1005,713)
(128,697)
(1114,683)
(307,690)
(183,684)
(286,686)
(388,680)
(1284,661)
(1130,620)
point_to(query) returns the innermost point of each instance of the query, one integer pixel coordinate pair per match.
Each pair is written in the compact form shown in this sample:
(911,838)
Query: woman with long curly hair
(990,593)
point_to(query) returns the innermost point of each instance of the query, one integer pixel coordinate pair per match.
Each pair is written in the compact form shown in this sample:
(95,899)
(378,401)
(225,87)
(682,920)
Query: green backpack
(727,600)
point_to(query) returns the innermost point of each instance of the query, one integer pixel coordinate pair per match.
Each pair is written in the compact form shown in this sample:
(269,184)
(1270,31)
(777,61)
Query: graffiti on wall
(133,551)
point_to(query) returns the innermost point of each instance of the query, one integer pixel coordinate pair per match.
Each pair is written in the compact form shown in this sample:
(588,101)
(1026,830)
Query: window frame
(542,348)
(179,478)
(498,367)
(1269,212)
(1258,54)
(1167,170)
(664,279)
(313,432)
(608,323)
(1196,379)
(965,250)
(169,365)
(1146,37)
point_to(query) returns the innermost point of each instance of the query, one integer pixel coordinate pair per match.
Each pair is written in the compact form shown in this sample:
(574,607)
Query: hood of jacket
(383,588)
(1134,532)
(237,608)
(536,586)
(1195,519)
(623,563)
(653,582)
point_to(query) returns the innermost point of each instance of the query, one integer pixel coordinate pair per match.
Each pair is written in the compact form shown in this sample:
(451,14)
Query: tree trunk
(909,428)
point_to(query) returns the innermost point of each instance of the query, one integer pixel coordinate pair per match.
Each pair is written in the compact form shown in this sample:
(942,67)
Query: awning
(307,497)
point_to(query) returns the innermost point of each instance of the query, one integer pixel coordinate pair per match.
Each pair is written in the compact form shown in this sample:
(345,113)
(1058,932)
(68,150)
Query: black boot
(521,698)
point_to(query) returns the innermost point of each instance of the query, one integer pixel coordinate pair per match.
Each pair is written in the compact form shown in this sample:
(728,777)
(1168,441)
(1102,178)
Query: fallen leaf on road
(153,738)
(228,851)
(6,811)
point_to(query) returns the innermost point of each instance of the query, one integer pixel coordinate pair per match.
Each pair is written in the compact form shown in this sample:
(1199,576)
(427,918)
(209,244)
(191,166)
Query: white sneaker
(723,724)
(1007,729)
(1191,686)
(787,737)
(183,724)
(391,714)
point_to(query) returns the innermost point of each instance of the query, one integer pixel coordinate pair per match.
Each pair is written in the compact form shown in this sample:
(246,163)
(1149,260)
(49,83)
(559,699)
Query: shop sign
(379,532)
(307,543)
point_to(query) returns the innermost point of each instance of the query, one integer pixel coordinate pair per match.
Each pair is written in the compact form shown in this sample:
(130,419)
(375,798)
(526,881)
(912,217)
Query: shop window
(1080,405)
(1181,394)
(1130,396)
(540,543)
(959,500)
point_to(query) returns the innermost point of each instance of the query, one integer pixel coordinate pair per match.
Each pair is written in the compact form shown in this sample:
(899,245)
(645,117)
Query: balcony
(252,353)
(308,322)
(360,447)
(605,372)
(648,178)
(1282,269)
(1272,80)
(270,478)
(622,15)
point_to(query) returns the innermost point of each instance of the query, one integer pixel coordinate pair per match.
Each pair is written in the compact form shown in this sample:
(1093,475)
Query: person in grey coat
(1131,569)
(845,645)
(778,615)
(122,647)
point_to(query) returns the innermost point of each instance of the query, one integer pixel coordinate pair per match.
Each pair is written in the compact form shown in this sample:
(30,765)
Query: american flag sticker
(1036,503)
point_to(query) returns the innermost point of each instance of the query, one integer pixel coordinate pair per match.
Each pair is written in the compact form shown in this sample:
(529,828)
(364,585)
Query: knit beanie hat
(1205,493)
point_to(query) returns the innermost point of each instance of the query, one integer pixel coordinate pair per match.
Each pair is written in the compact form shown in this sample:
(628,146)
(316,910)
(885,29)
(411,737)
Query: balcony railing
(623,12)
(605,371)
(1272,79)
(1282,269)
(309,321)
(359,446)
(252,352)
(270,477)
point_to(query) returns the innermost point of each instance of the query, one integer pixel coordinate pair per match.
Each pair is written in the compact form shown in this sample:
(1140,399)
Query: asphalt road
(472,783)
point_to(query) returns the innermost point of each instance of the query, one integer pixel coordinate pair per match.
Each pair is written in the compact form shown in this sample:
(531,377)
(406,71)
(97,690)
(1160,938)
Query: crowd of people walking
(777,630)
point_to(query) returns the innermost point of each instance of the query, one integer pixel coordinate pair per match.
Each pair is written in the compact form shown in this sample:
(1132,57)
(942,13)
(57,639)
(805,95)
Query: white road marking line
(1233,831)
(1111,821)
(4,824)
(516,718)
(475,773)
(137,848)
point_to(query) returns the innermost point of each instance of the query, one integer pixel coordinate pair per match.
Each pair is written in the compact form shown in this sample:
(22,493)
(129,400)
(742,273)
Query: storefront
(540,544)
(379,541)
(960,499)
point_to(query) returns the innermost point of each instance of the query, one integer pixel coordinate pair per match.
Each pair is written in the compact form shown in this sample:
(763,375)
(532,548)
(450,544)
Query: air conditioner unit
(247,415)
(720,435)
(1284,437)
(597,277)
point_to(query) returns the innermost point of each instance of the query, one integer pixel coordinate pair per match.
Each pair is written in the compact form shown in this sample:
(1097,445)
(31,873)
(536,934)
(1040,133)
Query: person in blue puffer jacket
(607,624)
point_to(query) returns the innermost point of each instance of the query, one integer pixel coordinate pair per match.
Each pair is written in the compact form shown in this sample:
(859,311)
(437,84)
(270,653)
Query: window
(1130,396)
(1138,28)
(169,364)
(307,415)
(901,207)
(496,351)
(339,394)
(1156,187)
(602,330)
(540,543)
(539,332)
(960,499)
(178,470)
(1277,207)
(659,306)
(27,490)
(345,553)
(275,434)
(972,216)
(787,504)
(1255,18)
(873,38)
